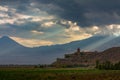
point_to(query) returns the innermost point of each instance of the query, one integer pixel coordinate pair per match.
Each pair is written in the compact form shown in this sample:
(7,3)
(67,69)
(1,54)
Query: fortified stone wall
(77,58)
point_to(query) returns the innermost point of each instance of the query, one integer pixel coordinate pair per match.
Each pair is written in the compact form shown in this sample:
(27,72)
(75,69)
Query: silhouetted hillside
(111,54)
(89,58)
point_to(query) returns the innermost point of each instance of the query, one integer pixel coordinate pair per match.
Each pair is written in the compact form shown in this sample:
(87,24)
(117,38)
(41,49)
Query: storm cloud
(86,13)
(57,21)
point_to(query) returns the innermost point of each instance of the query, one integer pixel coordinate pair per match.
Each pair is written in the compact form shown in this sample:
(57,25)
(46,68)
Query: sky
(48,22)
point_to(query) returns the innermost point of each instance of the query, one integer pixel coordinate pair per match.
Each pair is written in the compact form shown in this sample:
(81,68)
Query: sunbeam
(97,44)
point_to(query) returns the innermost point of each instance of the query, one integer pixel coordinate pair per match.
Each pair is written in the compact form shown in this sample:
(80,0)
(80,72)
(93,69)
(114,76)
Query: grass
(58,74)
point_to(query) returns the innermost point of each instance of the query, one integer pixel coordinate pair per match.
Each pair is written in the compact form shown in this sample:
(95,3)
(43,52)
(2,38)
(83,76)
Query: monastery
(81,59)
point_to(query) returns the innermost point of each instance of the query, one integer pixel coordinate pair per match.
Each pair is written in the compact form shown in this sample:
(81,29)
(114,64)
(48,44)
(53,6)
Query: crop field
(58,74)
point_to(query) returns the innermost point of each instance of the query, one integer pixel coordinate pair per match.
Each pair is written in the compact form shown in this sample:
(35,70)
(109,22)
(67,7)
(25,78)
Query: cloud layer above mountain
(47,22)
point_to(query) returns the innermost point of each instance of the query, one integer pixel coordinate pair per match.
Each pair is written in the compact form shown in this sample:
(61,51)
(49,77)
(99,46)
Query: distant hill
(87,59)
(13,53)
(7,46)
(111,54)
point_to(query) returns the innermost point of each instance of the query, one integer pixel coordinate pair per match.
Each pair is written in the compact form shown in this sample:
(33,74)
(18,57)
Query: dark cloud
(19,5)
(43,1)
(13,2)
(75,10)
(27,26)
(85,13)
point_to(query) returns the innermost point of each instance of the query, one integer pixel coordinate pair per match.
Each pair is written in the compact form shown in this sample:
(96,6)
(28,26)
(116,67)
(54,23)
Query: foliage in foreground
(58,74)
(108,65)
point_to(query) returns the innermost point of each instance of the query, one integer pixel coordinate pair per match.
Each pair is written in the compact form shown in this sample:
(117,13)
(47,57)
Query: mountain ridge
(14,53)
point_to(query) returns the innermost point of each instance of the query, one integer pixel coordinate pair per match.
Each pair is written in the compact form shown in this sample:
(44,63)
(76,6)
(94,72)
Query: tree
(106,65)
(97,64)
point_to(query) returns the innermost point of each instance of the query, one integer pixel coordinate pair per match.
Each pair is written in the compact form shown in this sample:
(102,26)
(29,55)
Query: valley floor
(58,74)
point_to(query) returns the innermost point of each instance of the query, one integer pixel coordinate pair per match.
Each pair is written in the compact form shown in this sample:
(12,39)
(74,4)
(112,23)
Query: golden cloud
(32,42)
(37,32)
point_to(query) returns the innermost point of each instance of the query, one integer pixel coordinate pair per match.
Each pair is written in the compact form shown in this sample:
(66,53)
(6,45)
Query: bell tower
(78,50)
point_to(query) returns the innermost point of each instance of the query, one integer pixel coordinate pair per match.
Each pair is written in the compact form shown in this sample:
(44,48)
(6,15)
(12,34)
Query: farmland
(58,74)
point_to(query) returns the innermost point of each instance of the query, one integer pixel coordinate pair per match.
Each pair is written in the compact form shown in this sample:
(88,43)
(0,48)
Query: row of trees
(107,65)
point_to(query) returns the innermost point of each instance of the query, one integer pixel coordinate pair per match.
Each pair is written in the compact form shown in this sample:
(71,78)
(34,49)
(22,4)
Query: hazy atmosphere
(40,31)
(48,22)
(59,39)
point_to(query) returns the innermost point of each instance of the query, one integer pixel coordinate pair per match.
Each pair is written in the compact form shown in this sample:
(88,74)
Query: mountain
(13,53)
(7,43)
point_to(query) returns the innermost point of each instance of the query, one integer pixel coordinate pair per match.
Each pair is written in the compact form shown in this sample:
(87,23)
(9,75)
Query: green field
(58,74)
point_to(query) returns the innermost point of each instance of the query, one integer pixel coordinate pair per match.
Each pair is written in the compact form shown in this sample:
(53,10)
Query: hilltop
(86,59)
